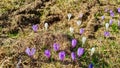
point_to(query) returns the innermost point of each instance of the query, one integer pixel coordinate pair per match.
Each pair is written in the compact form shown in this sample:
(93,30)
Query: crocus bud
(81,31)
(30,52)
(35,28)
(73,56)
(110,21)
(47,53)
(83,40)
(71,30)
(107,26)
(62,55)
(106,34)
(90,65)
(92,51)
(56,46)
(69,16)
(80,52)
(46,26)
(74,43)
(78,22)
(103,17)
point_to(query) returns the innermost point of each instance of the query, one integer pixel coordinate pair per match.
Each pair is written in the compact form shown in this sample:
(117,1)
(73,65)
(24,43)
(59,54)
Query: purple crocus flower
(90,65)
(80,52)
(118,10)
(30,52)
(74,43)
(112,14)
(103,17)
(110,21)
(73,56)
(81,31)
(111,11)
(62,55)
(106,34)
(47,53)
(35,28)
(56,46)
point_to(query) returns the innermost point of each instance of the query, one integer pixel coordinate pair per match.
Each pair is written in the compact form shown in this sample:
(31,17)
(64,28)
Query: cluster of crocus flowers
(30,52)
(106,32)
(35,28)
(61,54)
(80,50)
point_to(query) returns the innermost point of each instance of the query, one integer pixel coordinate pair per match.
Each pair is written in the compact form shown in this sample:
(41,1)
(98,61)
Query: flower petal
(27,51)
(32,52)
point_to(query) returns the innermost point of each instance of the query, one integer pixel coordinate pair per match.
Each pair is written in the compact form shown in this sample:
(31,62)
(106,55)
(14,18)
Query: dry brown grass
(13,46)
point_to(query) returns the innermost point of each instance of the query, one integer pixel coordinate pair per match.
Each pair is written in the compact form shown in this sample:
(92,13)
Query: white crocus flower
(46,26)
(83,40)
(79,22)
(92,51)
(71,30)
(69,16)
(107,26)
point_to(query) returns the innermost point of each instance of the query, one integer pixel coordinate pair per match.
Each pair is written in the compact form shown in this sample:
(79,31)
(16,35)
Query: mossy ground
(17,34)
